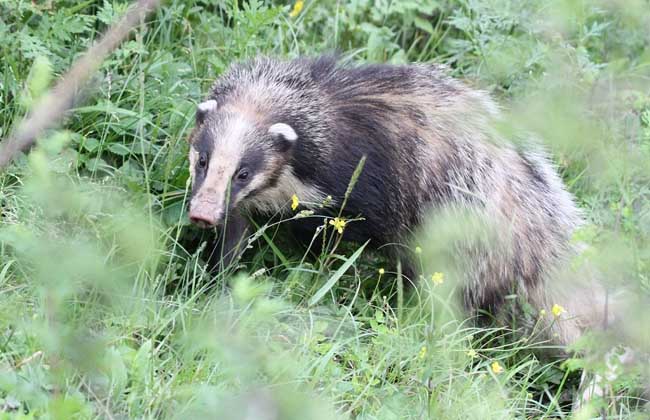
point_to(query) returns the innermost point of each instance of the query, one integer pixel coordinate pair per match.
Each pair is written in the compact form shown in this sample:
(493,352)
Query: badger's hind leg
(592,386)
(580,303)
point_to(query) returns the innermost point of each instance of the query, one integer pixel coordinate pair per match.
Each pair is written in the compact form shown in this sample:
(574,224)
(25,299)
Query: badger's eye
(203,161)
(242,175)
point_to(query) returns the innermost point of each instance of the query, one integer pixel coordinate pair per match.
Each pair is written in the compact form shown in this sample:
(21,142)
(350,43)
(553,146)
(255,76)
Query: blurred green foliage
(106,312)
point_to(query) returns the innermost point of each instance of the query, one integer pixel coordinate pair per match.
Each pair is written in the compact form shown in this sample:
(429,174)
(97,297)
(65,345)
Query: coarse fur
(302,126)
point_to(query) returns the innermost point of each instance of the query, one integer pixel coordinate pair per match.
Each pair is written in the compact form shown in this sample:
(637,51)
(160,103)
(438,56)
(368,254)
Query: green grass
(106,310)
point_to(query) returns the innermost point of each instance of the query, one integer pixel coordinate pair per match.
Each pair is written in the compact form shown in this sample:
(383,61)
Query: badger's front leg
(231,242)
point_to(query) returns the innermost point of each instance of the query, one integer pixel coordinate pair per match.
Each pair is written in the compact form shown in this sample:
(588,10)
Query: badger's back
(429,143)
(414,124)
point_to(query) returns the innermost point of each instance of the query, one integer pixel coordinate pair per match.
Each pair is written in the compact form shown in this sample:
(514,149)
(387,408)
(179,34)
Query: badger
(271,129)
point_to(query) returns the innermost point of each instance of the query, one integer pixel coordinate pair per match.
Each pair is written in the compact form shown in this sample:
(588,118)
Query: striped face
(233,158)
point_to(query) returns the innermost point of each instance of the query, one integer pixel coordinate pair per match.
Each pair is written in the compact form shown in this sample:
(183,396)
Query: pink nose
(202,219)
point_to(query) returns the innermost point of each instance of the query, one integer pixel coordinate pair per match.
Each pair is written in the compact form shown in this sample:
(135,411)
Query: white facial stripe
(228,148)
(257,181)
(209,105)
(285,130)
(275,199)
(213,189)
(194,157)
(236,131)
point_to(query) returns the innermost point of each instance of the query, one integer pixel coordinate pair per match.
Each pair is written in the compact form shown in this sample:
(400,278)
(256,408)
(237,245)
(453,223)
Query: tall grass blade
(337,275)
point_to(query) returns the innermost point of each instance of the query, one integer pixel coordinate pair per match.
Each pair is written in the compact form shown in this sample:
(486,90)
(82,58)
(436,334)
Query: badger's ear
(285,136)
(204,109)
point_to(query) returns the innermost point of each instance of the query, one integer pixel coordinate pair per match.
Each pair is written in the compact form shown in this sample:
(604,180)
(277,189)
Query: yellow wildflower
(542,313)
(472,353)
(437,278)
(557,310)
(423,352)
(338,224)
(297,8)
(418,250)
(381,271)
(496,367)
(294,202)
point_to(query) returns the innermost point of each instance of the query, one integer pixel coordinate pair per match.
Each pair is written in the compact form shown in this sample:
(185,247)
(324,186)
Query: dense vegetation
(106,309)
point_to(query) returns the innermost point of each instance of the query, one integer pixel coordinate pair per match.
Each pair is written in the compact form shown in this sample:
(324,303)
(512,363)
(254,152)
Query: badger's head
(234,156)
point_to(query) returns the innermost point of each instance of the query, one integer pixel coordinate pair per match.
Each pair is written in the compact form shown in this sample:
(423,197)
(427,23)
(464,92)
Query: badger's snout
(202,220)
(204,215)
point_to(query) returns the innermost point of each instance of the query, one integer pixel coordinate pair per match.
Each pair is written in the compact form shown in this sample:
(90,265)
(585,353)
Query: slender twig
(52,107)
(29,359)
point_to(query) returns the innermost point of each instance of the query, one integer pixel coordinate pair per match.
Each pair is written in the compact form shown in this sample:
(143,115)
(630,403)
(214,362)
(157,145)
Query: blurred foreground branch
(51,108)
